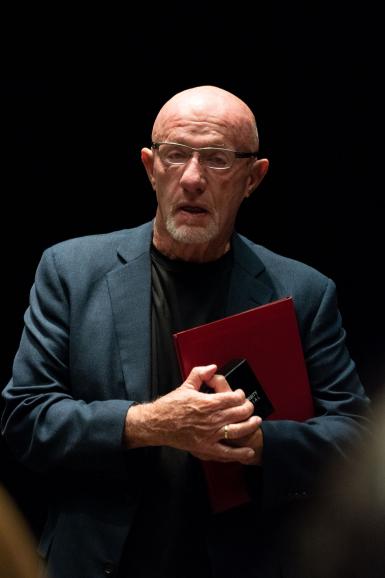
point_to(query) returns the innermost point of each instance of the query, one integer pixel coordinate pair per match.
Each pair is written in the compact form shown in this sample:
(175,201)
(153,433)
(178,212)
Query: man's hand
(193,421)
(234,432)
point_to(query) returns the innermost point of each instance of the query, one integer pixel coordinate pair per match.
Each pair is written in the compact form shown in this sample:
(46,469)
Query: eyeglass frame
(237,154)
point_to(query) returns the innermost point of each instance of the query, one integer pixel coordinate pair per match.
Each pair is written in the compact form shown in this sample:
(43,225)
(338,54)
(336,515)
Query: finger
(200,374)
(218,383)
(227,407)
(251,460)
(225,453)
(234,431)
(233,413)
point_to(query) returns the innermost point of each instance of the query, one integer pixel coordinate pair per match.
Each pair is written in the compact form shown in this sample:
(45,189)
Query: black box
(239,375)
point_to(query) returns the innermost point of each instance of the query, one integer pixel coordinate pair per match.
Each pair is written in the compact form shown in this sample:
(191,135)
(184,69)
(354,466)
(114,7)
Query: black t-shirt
(184,295)
(168,538)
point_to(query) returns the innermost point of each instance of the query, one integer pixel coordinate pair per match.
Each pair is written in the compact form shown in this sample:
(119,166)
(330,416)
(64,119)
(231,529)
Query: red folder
(268,337)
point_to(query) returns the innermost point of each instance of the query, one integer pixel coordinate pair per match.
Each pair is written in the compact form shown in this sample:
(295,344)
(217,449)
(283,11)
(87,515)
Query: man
(96,401)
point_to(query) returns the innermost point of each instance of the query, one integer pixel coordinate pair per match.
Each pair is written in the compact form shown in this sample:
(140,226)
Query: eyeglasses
(217,158)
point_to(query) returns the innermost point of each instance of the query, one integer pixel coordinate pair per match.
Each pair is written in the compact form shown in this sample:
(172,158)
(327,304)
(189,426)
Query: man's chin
(193,235)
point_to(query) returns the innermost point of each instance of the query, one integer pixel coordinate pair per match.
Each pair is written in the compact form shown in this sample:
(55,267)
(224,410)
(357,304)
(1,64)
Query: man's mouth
(192,209)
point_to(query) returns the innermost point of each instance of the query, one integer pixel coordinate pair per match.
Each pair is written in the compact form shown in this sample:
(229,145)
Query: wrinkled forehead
(219,118)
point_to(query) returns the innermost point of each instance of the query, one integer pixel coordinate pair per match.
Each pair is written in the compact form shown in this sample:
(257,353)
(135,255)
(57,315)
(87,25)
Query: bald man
(97,401)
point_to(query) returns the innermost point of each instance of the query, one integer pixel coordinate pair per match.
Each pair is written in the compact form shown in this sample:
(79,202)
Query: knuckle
(244,411)
(249,408)
(214,402)
(240,395)
(195,371)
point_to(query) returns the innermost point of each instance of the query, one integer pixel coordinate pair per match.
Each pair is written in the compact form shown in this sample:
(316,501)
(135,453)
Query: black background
(81,93)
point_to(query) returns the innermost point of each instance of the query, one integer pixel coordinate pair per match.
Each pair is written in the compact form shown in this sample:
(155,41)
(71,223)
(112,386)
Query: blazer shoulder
(285,276)
(280,267)
(98,253)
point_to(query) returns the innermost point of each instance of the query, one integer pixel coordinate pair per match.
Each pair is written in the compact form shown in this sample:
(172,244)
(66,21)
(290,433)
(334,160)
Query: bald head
(204,108)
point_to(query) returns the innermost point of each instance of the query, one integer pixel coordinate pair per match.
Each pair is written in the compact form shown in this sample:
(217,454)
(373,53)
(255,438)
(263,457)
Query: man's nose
(193,178)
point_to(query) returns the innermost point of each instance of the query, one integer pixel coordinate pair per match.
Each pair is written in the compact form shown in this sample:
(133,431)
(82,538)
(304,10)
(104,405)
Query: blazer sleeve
(295,453)
(42,422)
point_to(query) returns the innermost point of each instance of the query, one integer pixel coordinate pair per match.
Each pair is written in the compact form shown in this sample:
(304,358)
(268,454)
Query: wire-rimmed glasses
(217,158)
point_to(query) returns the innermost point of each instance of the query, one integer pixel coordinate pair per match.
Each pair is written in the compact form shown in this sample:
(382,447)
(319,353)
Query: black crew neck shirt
(168,539)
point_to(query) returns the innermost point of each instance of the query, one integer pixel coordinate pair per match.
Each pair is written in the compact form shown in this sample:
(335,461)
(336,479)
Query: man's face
(198,204)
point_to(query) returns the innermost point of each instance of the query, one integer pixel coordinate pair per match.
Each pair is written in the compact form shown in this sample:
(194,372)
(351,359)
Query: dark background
(81,93)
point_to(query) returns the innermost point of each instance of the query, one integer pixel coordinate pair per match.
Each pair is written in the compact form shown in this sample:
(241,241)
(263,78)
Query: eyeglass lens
(175,154)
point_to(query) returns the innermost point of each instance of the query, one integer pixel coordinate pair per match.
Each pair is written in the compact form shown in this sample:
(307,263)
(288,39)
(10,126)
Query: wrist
(137,430)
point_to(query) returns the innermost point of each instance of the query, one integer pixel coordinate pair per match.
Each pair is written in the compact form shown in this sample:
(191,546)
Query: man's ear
(257,173)
(147,156)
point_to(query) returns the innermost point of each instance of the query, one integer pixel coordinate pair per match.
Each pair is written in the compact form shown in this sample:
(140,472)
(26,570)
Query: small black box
(239,375)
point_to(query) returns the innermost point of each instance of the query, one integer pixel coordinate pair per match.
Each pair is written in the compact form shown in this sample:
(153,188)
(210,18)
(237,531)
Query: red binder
(268,337)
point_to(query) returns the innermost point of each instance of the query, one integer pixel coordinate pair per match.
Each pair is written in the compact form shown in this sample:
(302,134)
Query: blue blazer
(84,358)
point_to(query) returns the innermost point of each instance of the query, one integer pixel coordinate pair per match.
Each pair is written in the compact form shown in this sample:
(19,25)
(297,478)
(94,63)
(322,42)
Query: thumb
(200,374)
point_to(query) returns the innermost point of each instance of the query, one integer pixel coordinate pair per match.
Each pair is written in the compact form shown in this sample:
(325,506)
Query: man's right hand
(193,421)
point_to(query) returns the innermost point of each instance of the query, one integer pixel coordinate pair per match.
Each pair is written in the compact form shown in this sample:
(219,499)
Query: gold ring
(226,428)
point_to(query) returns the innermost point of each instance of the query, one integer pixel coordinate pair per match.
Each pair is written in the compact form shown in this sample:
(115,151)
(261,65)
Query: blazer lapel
(249,284)
(130,293)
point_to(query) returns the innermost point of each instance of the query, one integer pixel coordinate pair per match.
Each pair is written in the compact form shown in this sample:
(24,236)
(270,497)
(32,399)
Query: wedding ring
(226,429)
